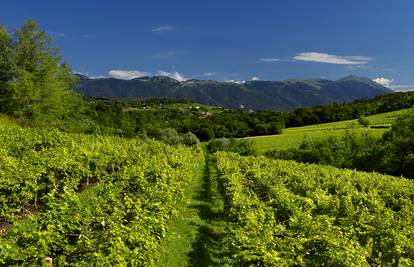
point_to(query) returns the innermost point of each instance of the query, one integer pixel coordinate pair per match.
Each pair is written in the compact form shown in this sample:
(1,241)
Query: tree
(5,67)
(35,84)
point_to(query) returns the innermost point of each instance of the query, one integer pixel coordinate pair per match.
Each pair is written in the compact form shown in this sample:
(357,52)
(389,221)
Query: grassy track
(293,137)
(194,235)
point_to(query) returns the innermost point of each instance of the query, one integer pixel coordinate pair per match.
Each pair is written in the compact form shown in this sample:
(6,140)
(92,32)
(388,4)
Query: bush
(364,122)
(169,136)
(172,137)
(189,139)
(242,146)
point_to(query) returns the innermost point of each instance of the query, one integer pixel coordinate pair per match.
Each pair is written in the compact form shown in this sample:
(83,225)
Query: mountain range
(256,95)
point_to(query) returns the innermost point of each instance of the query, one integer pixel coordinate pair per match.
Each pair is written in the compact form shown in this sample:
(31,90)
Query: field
(293,137)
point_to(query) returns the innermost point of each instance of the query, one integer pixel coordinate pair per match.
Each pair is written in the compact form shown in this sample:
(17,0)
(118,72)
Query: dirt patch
(4,227)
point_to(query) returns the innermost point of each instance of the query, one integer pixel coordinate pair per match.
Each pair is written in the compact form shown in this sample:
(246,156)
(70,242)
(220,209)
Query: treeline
(392,154)
(131,118)
(349,111)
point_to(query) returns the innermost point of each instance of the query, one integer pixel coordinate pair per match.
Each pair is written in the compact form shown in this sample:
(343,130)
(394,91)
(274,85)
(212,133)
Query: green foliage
(399,142)
(364,122)
(190,139)
(172,137)
(353,151)
(293,137)
(282,213)
(349,111)
(169,136)
(34,83)
(132,117)
(242,146)
(393,154)
(120,221)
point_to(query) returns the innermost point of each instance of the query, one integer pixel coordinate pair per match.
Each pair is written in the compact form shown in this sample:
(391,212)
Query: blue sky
(229,40)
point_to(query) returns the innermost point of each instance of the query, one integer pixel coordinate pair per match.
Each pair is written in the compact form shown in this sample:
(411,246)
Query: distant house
(206,113)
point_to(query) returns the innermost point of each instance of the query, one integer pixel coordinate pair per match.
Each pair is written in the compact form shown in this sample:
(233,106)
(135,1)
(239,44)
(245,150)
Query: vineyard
(84,200)
(76,199)
(282,213)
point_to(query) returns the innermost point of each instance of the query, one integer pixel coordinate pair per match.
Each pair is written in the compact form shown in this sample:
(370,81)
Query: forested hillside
(255,95)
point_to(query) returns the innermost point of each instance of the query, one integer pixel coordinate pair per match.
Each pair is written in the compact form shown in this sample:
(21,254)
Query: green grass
(194,234)
(387,118)
(183,228)
(293,137)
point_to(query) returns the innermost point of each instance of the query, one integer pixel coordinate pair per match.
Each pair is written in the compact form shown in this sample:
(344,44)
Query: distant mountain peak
(355,78)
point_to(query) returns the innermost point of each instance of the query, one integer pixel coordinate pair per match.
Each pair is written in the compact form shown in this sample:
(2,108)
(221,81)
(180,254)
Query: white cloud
(255,78)
(175,75)
(383,81)
(80,73)
(90,76)
(163,28)
(402,87)
(270,60)
(127,74)
(332,59)
(131,74)
(234,81)
(98,77)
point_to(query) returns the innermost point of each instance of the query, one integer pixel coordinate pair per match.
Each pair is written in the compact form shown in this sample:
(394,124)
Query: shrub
(189,139)
(242,146)
(364,122)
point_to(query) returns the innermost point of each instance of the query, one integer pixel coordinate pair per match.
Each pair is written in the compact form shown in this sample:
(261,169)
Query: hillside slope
(256,95)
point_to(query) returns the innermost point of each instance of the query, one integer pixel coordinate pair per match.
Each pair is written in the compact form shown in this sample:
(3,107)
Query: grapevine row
(119,221)
(283,213)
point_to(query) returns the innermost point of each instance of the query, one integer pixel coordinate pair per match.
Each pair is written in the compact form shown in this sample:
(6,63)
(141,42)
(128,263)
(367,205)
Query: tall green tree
(36,84)
(5,67)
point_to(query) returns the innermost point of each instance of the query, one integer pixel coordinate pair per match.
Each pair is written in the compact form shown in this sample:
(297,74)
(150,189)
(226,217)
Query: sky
(229,40)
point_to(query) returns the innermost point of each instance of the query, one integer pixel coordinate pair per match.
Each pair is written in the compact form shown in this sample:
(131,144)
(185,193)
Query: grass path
(194,235)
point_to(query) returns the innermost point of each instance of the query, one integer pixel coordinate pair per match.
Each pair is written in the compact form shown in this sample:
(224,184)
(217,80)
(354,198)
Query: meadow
(293,137)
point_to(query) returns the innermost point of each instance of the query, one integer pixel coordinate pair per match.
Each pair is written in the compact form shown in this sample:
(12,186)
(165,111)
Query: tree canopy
(35,84)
